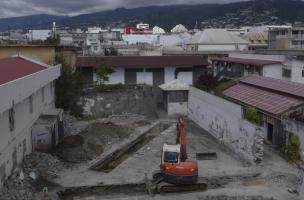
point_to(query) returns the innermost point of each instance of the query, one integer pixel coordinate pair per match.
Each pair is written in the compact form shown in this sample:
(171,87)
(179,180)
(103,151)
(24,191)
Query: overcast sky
(12,8)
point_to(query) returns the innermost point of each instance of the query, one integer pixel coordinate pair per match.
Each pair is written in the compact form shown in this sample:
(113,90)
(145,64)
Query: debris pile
(91,142)
(259,147)
(289,180)
(31,178)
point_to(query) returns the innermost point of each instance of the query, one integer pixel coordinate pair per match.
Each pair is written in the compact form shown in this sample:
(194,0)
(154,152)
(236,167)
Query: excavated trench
(134,189)
(115,158)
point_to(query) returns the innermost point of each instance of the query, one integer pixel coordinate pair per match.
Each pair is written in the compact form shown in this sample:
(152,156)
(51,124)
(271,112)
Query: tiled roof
(264,100)
(247,61)
(16,67)
(267,94)
(277,85)
(216,36)
(143,61)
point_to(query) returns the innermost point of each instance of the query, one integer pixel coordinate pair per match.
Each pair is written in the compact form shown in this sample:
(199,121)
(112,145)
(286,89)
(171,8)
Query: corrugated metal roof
(247,61)
(264,100)
(216,36)
(16,67)
(143,61)
(281,86)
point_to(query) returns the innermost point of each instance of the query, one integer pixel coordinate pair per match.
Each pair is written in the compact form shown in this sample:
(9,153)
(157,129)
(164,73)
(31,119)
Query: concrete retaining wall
(178,108)
(137,99)
(224,120)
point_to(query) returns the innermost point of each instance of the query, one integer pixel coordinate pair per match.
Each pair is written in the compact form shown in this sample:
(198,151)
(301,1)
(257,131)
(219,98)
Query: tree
(53,40)
(111,52)
(252,115)
(206,82)
(69,88)
(103,71)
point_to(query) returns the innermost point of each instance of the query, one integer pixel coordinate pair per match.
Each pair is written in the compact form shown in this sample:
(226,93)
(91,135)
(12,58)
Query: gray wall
(134,99)
(224,120)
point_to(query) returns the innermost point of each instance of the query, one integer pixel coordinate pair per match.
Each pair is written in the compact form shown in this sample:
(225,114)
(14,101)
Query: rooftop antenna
(196,25)
(9,32)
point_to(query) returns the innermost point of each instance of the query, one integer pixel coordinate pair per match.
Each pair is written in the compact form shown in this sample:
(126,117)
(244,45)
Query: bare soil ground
(274,181)
(91,142)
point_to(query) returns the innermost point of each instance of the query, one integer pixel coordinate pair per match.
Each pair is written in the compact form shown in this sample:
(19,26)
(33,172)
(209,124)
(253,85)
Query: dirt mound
(91,142)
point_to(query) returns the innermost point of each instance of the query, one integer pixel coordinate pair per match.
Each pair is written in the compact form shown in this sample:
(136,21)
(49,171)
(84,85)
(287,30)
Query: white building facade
(290,67)
(23,99)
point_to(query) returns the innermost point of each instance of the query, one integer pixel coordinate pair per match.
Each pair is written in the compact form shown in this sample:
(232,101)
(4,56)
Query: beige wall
(45,54)
(69,56)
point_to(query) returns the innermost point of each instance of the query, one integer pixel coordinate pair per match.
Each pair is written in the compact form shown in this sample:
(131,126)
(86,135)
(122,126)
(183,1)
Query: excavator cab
(171,154)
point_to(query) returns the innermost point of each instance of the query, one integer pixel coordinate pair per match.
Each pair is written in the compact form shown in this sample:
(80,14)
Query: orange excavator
(176,173)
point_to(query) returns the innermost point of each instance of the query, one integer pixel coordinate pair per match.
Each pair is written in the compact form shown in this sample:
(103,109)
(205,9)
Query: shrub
(111,52)
(223,85)
(109,87)
(206,82)
(293,149)
(252,115)
(103,71)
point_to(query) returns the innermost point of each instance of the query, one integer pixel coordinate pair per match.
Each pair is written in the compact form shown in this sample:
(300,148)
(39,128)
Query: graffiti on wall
(234,132)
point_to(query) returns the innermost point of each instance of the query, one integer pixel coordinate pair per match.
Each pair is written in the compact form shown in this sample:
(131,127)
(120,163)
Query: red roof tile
(15,68)
(264,100)
(282,86)
(143,61)
(247,61)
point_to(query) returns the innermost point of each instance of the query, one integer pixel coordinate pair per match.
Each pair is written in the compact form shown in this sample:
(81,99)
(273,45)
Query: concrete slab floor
(277,176)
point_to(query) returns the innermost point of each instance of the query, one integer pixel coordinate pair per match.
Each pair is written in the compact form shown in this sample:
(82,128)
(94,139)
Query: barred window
(12,118)
(287,73)
(31,104)
(43,94)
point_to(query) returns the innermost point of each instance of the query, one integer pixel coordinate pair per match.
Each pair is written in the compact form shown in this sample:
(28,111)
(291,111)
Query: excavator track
(159,186)
(182,188)
(164,187)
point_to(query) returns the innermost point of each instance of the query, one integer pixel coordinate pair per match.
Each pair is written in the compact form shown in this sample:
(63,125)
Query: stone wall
(133,99)
(224,120)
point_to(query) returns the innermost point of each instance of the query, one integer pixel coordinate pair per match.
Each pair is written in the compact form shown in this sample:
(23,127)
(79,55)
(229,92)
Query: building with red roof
(279,66)
(14,68)
(27,91)
(280,104)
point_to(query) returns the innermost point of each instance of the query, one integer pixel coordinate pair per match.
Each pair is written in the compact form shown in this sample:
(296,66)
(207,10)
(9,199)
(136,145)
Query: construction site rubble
(91,142)
(31,178)
(259,147)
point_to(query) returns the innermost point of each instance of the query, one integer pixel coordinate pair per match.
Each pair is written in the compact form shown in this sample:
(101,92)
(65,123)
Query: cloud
(12,8)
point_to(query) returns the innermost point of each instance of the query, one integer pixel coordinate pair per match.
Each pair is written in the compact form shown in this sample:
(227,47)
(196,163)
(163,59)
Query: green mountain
(250,12)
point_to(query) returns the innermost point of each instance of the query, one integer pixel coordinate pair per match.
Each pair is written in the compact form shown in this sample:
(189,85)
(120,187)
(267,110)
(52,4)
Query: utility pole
(9,33)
